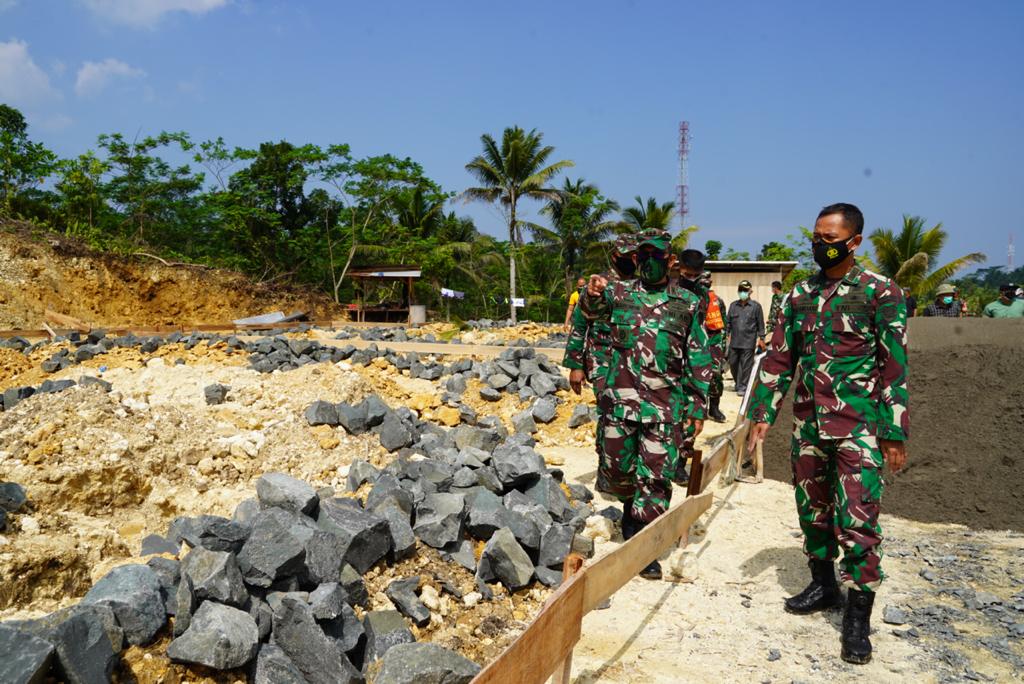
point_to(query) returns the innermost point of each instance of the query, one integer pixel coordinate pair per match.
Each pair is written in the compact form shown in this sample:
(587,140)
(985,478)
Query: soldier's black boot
(714,413)
(822,593)
(857,627)
(630,526)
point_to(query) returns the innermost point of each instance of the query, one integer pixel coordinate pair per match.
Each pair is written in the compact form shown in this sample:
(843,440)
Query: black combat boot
(857,627)
(714,413)
(820,594)
(630,526)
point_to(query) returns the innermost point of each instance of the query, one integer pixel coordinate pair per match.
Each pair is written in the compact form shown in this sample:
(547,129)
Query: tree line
(308,214)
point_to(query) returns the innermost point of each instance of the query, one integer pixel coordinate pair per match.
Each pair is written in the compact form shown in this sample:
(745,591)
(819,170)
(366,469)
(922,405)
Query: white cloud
(22,82)
(146,13)
(7,4)
(94,77)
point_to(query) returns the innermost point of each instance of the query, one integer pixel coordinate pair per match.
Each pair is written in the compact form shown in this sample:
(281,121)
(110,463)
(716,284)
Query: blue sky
(909,107)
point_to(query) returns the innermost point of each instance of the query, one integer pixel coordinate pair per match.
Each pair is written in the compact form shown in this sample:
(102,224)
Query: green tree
(649,214)
(735,255)
(23,163)
(712,248)
(580,223)
(81,195)
(517,169)
(682,240)
(908,256)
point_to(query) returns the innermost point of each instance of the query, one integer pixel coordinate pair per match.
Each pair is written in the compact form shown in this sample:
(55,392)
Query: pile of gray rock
(522,371)
(271,590)
(13,396)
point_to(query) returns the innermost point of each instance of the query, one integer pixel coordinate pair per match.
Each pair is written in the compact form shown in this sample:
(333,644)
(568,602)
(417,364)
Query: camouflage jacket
(846,343)
(589,345)
(773,313)
(660,365)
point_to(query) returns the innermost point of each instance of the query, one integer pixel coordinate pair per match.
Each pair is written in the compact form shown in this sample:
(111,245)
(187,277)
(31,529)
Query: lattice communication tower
(684,181)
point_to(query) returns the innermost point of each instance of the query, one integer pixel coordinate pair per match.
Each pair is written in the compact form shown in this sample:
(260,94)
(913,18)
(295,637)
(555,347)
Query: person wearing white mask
(945,305)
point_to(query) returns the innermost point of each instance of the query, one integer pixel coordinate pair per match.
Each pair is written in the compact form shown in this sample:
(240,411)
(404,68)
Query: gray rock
(584,546)
(523,422)
(385,629)
(393,433)
(376,410)
(499,381)
(402,593)
(517,466)
(456,384)
(275,599)
(580,416)
(425,663)
(486,515)
(387,492)
(133,593)
(154,543)
(525,529)
(548,493)
(168,571)
(272,551)
(215,576)
(223,535)
(346,630)
(542,384)
(322,413)
(439,519)
(482,439)
(403,539)
(215,394)
(84,650)
(544,410)
(580,493)
(326,601)
(504,560)
(359,473)
(246,512)
(25,658)
(90,381)
(298,635)
(220,637)
(489,394)
(355,419)
(185,605)
(894,616)
(287,492)
(364,535)
(773,655)
(12,496)
(547,576)
(473,457)
(325,555)
(273,666)
(461,552)
(45,627)
(355,589)
(555,545)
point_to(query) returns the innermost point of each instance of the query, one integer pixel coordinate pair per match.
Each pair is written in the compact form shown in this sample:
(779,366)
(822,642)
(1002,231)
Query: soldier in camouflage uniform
(717,330)
(589,344)
(656,385)
(842,333)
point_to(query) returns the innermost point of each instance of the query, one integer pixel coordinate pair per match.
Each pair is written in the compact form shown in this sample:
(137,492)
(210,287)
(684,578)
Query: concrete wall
(928,334)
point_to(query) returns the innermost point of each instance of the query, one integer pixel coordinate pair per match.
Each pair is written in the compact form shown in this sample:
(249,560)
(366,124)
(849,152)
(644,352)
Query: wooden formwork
(545,648)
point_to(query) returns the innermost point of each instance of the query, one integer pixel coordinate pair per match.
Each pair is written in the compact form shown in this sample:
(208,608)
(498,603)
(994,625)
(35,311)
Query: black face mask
(624,266)
(829,254)
(688,284)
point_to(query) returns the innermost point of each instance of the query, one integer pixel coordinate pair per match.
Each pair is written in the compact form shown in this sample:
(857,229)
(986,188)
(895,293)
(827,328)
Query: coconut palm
(579,219)
(649,215)
(907,257)
(517,169)
(682,240)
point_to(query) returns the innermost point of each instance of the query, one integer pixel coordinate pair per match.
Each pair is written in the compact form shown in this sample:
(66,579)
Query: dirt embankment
(966,449)
(47,271)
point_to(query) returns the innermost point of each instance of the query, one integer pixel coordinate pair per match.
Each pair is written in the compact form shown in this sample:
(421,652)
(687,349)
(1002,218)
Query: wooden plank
(28,334)
(714,464)
(545,644)
(64,321)
(611,572)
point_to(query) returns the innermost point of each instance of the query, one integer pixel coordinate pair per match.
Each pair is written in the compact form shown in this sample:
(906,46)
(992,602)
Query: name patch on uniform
(805,308)
(852,307)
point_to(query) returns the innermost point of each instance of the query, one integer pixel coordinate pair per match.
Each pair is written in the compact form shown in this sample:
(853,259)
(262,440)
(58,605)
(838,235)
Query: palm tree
(649,215)
(421,214)
(579,219)
(516,169)
(907,257)
(680,241)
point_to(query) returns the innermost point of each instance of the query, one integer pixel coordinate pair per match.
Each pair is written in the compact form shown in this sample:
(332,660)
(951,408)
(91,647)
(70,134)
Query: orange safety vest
(713,319)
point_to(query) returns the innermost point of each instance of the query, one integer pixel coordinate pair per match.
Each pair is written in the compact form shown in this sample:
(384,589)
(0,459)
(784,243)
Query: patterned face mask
(653,268)
(829,254)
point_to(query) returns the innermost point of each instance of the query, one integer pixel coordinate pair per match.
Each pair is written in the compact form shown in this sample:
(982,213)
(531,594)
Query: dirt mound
(105,290)
(966,452)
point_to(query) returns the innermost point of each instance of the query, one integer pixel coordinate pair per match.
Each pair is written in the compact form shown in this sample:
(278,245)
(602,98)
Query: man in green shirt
(1007,306)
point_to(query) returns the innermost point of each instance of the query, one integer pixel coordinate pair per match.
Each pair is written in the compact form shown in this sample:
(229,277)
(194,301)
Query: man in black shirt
(746,331)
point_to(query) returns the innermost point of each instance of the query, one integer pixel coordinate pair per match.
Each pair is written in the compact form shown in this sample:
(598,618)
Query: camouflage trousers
(838,491)
(636,464)
(716,342)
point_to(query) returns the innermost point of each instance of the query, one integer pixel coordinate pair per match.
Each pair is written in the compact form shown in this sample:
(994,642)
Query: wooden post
(573,563)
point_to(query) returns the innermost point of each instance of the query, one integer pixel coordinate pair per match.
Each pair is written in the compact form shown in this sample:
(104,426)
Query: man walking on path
(776,306)
(945,304)
(1007,306)
(656,386)
(574,298)
(745,327)
(842,333)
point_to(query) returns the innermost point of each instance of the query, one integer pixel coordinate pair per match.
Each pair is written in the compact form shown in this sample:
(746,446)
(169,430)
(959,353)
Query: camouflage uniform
(657,379)
(773,313)
(846,343)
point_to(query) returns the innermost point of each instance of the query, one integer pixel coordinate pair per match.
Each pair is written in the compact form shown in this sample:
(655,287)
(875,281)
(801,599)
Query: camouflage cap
(625,244)
(744,285)
(659,239)
(705,279)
